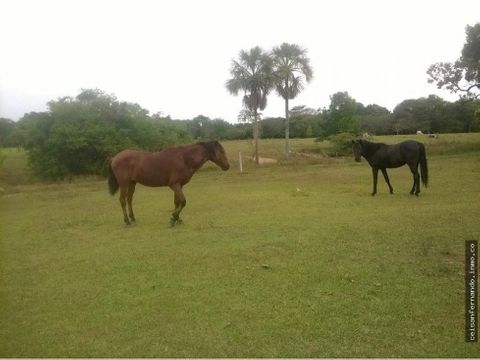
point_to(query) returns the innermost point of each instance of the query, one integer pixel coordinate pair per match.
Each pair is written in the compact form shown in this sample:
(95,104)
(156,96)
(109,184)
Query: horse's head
(216,154)
(357,149)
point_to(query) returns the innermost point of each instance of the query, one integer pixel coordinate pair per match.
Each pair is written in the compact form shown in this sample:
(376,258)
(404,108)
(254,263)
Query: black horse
(381,156)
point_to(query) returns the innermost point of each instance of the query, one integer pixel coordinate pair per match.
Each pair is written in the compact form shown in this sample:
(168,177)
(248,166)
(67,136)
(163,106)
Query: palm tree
(252,74)
(291,68)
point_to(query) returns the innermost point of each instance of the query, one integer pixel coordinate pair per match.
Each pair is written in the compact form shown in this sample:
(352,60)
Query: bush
(79,135)
(342,143)
(2,158)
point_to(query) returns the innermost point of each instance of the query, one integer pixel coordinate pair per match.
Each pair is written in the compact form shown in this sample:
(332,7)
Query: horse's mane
(371,147)
(210,146)
(370,143)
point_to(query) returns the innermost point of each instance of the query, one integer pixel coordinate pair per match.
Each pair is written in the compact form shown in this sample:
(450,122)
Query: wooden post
(240,162)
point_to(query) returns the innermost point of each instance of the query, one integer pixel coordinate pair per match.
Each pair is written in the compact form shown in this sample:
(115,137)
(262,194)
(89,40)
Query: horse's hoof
(173,222)
(179,221)
(373,194)
(416,194)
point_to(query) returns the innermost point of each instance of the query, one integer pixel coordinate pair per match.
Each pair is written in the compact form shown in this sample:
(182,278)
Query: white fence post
(240,162)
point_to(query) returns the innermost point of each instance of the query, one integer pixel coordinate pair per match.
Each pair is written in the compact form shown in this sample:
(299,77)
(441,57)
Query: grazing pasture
(284,260)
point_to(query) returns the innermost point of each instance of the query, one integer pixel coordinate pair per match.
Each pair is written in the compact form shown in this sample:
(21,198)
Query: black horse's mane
(370,147)
(210,146)
(370,143)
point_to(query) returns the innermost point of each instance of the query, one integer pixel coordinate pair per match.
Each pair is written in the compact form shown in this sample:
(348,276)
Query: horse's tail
(112,181)
(423,165)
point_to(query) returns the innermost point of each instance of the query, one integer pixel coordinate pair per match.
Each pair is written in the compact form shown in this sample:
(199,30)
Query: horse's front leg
(179,201)
(387,180)
(375,178)
(176,210)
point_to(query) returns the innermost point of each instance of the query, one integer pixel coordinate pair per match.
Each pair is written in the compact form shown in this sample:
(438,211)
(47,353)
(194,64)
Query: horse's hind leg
(375,177)
(131,190)
(123,203)
(387,180)
(413,187)
(416,179)
(417,183)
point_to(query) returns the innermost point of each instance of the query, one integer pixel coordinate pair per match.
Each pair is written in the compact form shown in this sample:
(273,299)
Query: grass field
(285,260)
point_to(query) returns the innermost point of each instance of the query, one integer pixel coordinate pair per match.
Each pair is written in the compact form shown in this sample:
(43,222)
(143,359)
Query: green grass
(14,168)
(444,144)
(292,260)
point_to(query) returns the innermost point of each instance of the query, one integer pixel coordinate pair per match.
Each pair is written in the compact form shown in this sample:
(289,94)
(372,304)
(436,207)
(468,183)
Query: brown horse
(173,167)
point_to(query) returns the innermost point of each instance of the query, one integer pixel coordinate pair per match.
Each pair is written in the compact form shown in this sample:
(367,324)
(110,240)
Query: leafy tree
(408,115)
(464,74)
(303,126)
(291,70)
(341,114)
(273,128)
(7,128)
(32,129)
(242,131)
(203,128)
(305,122)
(433,114)
(170,131)
(301,110)
(252,74)
(79,134)
(462,116)
(220,129)
(198,127)
(375,119)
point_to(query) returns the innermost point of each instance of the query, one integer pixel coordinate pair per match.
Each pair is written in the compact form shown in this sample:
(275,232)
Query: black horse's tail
(112,181)
(423,165)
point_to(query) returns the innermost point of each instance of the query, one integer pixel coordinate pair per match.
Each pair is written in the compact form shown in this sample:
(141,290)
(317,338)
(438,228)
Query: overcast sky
(173,56)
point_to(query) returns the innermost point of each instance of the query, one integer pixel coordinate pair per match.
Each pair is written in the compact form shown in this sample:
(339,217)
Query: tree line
(95,110)
(77,135)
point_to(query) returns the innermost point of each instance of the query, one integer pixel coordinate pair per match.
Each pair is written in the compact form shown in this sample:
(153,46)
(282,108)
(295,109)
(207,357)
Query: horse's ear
(353,141)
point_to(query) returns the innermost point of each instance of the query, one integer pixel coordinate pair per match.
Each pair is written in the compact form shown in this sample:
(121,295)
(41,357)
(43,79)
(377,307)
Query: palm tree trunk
(255,137)
(287,132)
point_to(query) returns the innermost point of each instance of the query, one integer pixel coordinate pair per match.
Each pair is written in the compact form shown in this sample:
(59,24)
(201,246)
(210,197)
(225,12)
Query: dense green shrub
(342,143)
(79,135)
